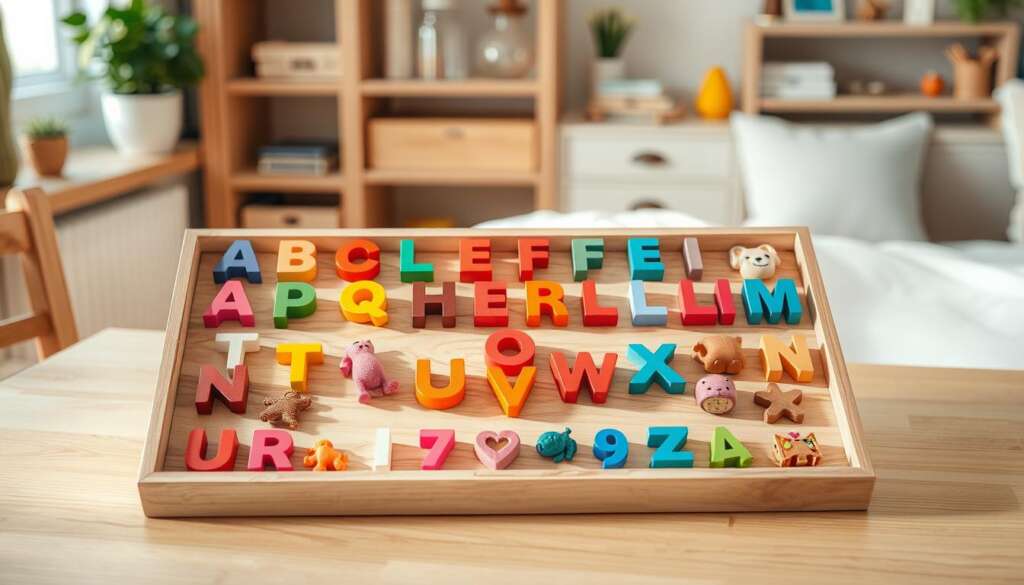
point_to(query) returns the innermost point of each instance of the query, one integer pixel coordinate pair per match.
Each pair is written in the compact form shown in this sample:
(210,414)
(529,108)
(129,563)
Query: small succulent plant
(610,28)
(46,127)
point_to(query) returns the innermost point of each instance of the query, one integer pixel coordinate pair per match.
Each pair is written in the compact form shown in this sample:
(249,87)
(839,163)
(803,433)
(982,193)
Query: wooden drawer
(452,144)
(648,157)
(712,202)
(289,216)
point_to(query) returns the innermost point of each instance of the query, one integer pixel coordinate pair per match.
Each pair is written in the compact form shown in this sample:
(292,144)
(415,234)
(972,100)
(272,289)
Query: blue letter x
(654,368)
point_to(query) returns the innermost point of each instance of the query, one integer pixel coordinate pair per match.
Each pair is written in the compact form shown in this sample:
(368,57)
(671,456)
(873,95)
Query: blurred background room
(892,129)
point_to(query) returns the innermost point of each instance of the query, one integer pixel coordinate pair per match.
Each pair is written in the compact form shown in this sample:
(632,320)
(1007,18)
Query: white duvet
(908,303)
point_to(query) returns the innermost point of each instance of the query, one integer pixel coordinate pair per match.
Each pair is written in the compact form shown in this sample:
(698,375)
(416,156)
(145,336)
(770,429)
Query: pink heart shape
(500,458)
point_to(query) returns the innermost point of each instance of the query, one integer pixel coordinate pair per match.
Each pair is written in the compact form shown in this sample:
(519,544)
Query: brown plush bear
(720,354)
(286,409)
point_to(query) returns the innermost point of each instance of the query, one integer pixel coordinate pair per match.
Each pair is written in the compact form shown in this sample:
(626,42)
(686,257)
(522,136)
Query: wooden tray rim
(199,241)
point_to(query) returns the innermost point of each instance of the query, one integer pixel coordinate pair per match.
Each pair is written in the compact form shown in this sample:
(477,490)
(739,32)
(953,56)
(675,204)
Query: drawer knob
(649,158)
(290,220)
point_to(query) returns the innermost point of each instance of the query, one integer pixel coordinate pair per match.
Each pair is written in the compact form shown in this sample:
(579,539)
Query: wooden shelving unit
(1004,35)
(236,107)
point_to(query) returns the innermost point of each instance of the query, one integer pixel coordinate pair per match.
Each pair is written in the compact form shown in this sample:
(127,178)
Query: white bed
(907,303)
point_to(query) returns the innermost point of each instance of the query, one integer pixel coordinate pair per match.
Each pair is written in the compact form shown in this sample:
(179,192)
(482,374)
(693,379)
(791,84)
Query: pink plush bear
(363,366)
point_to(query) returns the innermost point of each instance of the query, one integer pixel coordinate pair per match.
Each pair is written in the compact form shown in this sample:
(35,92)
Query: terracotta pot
(47,155)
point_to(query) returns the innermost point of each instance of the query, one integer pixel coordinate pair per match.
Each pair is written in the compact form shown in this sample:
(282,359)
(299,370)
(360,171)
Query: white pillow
(857,181)
(1011,101)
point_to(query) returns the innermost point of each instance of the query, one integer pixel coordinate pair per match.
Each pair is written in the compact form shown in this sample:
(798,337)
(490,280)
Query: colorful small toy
(778,404)
(324,457)
(440,442)
(759,262)
(720,354)
(363,366)
(611,448)
(286,409)
(790,450)
(557,446)
(497,450)
(716,394)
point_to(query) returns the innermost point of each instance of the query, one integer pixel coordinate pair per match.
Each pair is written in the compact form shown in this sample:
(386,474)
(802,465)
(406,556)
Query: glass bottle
(505,51)
(441,46)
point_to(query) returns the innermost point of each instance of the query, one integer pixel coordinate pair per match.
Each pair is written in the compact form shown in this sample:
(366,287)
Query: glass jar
(506,50)
(441,43)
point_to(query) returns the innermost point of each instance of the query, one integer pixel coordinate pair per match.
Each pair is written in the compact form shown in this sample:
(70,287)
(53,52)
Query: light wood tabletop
(948,447)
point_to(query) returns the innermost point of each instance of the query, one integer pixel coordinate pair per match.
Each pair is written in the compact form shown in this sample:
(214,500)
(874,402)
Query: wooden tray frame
(242,493)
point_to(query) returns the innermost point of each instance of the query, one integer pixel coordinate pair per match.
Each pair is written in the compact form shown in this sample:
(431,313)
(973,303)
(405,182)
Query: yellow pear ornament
(714,101)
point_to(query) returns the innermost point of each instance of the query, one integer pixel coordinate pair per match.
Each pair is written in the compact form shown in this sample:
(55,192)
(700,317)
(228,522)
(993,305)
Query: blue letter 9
(611,448)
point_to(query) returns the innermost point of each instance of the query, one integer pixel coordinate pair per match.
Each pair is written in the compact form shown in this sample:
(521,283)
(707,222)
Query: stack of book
(632,97)
(293,158)
(812,80)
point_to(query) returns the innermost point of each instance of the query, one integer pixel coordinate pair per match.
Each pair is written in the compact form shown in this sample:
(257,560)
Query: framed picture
(815,10)
(919,12)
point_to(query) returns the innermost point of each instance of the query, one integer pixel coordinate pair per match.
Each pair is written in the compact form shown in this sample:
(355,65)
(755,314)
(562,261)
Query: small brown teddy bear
(286,409)
(720,354)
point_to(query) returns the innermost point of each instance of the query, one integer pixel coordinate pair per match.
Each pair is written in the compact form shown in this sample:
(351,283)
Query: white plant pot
(143,124)
(606,70)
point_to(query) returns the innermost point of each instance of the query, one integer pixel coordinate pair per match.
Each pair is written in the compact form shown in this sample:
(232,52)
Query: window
(38,53)
(43,59)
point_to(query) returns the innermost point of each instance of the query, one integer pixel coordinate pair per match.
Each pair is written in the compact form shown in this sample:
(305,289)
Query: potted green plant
(610,29)
(146,57)
(975,10)
(46,143)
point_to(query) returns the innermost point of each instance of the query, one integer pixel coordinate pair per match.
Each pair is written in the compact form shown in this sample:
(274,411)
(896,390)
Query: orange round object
(932,84)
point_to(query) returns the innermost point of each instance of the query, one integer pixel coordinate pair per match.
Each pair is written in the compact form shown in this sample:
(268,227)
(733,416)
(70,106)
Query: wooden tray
(532,485)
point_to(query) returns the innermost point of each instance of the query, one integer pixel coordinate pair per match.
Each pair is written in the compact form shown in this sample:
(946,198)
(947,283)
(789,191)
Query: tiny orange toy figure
(324,457)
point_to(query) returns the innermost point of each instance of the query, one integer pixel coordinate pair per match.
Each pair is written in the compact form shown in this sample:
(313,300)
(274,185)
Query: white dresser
(617,166)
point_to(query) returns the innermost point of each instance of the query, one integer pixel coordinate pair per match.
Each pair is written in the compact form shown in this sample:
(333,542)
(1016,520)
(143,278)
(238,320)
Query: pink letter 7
(440,442)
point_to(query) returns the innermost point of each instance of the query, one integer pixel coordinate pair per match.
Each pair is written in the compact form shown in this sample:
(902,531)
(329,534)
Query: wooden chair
(27,229)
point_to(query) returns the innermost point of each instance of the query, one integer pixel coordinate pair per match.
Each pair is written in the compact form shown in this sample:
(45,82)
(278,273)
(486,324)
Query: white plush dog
(759,262)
